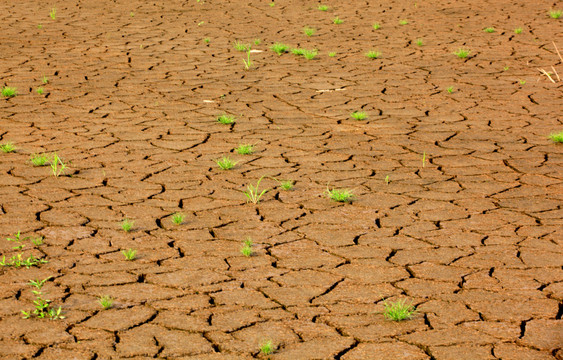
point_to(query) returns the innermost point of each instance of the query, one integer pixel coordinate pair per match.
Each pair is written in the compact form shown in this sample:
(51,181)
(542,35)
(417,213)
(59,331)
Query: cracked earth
(473,238)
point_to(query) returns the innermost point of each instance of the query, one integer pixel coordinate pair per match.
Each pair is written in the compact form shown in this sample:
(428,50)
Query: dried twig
(556,74)
(546,74)
(558,53)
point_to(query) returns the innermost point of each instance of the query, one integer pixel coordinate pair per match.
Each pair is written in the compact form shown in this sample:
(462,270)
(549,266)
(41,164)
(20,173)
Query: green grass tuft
(267,347)
(245,149)
(340,195)
(555,14)
(489,30)
(226,119)
(39,159)
(279,48)
(359,115)
(226,163)
(7,147)
(376,26)
(9,92)
(557,137)
(127,225)
(372,54)
(246,249)
(403,22)
(129,254)
(399,310)
(322,7)
(106,301)
(337,20)
(309,31)
(241,47)
(178,218)
(462,53)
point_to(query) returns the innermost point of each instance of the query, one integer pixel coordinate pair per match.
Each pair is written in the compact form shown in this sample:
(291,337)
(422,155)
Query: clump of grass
(106,301)
(40,90)
(403,22)
(43,308)
(372,54)
(419,42)
(340,195)
(45,79)
(557,137)
(337,20)
(127,225)
(399,310)
(322,7)
(267,347)
(257,41)
(462,53)
(129,254)
(450,89)
(518,30)
(247,63)
(9,92)
(310,54)
(58,166)
(132,14)
(178,218)
(39,159)
(555,14)
(7,147)
(241,47)
(53,13)
(279,48)
(359,115)
(298,51)
(309,31)
(226,163)
(226,119)
(489,30)
(245,149)
(253,193)
(376,26)
(272,4)
(286,185)
(246,249)
(332,54)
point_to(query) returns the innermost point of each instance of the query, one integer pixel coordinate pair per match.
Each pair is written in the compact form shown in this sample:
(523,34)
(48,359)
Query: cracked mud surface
(473,238)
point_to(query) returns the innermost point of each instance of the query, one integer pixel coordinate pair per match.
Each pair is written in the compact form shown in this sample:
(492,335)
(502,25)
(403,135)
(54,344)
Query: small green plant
(246,249)
(9,92)
(419,42)
(505,68)
(7,147)
(58,166)
(279,48)
(286,185)
(518,30)
(245,149)
(310,54)
(424,159)
(298,51)
(45,80)
(252,194)
(206,40)
(200,23)
(241,47)
(272,4)
(387,180)
(257,41)
(178,218)
(226,119)
(462,53)
(309,31)
(43,307)
(376,26)
(132,14)
(17,239)
(53,13)
(399,310)
(339,195)
(522,82)
(40,90)
(403,22)
(247,63)
(489,30)
(37,241)
(359,115)
(372,54)
(19,260)
(226,163)
(106,301)
(322,7)
(450,89)
(557,137)
(267,347)
(555,14)
(331,54)
(127,225)
(40,26)
(337,20)
(129,254)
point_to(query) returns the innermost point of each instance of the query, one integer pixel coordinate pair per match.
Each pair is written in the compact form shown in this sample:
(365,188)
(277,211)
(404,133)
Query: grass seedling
(129,254)
(257,41)
(399,310)
(45,80)
(331,54)
(286,185)
(403,22)
(40,90)
(226,119)
(252,194)
(37,241)
(267,347)
(423,158)
(279,48)
(450,89)
(40,26)
(7,147)
(39,159)
(272,4)
(522,82)
(372,54)
(376,26)
(337,20)
(342,195)
(387,181)
(359,115)
(132,14)
(505,68)
(58,166)
(247,63)
(489,30)
(206,40)
(309,31)
(310,54)
(555,14)
(245,149)
(557,137)
(127,225)
(241,47)
(18,241)
(518,31)
(43,307)
(322,7)
(53,13)
(106,301)
(178,218)
(200,23)
(9,92)
(298,51)
(246,249)
(462,53)
(419,42)
(226,163)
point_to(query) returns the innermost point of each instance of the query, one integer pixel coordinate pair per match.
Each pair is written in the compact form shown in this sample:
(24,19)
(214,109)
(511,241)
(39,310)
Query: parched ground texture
(472,234)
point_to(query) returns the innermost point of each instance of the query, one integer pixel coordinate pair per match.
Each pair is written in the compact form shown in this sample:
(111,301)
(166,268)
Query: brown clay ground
(473,238)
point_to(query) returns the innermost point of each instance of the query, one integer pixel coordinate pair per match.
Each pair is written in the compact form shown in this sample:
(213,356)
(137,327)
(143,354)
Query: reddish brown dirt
(473,238)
